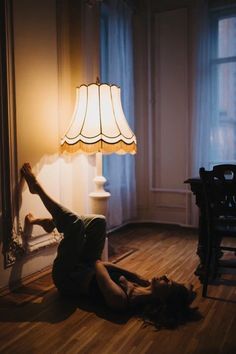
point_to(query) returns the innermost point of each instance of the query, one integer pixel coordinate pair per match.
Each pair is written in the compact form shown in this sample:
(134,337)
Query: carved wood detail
(35,243)
(11,239)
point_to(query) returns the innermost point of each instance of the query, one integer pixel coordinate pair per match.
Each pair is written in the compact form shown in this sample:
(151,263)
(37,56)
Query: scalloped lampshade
(98,123)
(99,126)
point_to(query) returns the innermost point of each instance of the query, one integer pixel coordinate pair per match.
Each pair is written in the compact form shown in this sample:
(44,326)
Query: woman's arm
(113,294)
(134,277)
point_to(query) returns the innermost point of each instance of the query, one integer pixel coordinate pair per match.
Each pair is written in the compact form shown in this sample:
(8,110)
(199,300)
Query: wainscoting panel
(168,118)
(169,121)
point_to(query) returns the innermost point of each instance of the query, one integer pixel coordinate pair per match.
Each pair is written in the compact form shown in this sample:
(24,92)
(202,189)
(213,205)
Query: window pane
(223,135)
(223,143)
(227,37)
(227,91)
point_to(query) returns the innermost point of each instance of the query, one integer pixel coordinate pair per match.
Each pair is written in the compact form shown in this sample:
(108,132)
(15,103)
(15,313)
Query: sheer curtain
(214,87)
(201,93)
(117,68)
(214,91)
(223,67)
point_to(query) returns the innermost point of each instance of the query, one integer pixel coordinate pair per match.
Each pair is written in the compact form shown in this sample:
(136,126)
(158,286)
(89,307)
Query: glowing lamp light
(98,125)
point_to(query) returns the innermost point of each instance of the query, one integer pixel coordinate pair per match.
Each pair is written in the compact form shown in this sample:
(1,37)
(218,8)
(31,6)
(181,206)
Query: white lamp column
(99,198)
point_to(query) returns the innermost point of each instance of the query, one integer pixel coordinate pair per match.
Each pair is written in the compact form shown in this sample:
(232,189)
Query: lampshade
(98,123)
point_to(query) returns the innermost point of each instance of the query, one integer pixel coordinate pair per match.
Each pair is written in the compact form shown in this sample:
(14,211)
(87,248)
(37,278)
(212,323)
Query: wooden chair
(219,188)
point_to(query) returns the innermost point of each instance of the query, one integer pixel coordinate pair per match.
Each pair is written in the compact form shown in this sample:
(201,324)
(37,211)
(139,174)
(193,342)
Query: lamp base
(99,201)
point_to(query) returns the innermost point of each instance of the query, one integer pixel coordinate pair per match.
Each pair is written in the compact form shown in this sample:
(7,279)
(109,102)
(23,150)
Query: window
(223,88)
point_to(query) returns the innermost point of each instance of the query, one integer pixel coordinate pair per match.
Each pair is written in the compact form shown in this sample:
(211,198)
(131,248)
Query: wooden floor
(35,319)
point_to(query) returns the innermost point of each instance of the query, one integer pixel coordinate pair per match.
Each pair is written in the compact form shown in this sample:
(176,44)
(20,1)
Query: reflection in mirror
(15,241)
(12,246)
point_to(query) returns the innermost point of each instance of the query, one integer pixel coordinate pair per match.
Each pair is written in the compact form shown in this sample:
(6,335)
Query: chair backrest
(219,186)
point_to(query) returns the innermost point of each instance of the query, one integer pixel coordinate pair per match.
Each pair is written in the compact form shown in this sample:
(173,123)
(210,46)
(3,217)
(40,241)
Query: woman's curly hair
(174,311)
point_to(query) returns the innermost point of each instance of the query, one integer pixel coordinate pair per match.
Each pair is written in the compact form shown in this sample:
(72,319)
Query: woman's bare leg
(36,188)
(46,223)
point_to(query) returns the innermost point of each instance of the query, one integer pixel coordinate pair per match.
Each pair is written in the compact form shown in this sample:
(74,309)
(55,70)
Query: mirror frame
(11,235)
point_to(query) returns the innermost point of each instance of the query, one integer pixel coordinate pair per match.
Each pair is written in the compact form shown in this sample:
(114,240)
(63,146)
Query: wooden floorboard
(35,319)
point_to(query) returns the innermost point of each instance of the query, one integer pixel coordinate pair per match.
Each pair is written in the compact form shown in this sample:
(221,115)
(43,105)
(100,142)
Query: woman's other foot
(30,178)
(28,226)
(46,223)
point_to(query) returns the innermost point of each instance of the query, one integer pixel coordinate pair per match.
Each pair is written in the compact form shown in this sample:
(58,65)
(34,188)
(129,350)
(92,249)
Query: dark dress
(81,246)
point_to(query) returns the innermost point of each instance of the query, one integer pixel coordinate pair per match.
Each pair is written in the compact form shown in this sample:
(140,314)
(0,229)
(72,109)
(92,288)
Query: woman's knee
(101,224)
(66,219)
(77,228)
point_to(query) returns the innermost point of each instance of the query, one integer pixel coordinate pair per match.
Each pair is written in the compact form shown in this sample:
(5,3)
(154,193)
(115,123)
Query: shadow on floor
(51,307)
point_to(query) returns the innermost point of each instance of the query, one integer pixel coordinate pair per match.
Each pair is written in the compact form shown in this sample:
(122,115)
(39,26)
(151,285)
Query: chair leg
(205,282)
(204,289)
(207,270)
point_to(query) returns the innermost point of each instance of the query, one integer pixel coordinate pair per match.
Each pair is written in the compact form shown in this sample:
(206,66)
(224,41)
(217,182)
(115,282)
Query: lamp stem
(99,180)
(99,163)
(100,197)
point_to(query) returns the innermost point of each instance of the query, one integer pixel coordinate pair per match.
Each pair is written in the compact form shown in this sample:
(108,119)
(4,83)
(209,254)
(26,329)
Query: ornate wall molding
(36,243)
(168,201)
(12,245)
(155,116)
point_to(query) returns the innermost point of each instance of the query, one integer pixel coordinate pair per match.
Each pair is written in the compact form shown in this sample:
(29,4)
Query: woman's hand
(113,294)
(143,282)
(131,276)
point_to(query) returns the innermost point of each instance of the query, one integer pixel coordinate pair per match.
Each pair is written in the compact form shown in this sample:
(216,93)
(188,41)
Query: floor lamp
(99,126)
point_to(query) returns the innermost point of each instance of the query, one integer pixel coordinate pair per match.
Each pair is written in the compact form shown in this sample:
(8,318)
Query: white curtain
(117,68)
(201,94)
(213,91)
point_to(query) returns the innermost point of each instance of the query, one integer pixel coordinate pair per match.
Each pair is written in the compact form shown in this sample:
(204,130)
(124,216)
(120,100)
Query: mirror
(10,235)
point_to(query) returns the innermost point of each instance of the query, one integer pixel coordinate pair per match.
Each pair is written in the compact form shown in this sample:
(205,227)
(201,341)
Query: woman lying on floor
(78,270)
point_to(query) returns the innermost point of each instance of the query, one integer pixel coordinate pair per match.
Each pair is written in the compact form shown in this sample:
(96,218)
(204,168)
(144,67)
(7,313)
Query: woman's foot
(30,178)
(46,223)
(28,226)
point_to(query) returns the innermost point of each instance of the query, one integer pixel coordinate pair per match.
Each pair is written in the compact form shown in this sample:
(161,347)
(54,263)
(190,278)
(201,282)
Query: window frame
(215,16)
